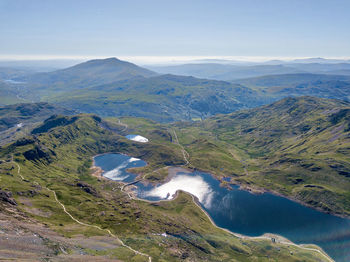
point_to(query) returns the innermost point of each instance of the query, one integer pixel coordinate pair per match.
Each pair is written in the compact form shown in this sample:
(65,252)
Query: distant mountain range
(225,72)
(228,72)
(318,60)
(111,87)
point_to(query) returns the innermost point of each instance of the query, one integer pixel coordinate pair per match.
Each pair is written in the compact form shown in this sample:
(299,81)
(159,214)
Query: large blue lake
(240,211)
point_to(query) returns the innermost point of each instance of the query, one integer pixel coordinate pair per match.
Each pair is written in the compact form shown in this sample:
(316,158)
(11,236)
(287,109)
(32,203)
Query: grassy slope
(320,85)
(296,147)
(61,157)
(8,94)
(163,98)
(28,114)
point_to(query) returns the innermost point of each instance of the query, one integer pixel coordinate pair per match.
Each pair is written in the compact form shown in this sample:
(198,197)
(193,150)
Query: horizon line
(149,59)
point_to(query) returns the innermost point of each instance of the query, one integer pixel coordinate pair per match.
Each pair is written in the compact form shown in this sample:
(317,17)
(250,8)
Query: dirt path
(184,152)
(97,227)
(82,223)
(243,162)
(123,124)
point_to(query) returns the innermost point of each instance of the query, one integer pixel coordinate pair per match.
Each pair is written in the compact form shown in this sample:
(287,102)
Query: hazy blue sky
(175,28)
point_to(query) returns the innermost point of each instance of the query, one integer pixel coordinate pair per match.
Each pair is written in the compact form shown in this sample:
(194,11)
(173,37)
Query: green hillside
(319,85)
(111,87)
(28,113)
(297,147)
(163,98)
(7,73)
(19,119)
(56,162)
(8,94)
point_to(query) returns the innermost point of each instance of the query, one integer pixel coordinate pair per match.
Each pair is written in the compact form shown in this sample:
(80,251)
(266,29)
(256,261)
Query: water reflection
(191,184)
(241,211)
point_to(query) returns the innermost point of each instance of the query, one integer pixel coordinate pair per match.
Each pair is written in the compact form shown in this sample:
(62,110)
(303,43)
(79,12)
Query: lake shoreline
(172,171)
(242,186)
(258,191)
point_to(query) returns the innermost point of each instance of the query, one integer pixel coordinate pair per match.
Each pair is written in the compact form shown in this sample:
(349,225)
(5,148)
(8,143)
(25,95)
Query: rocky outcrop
(54,121)
(39,153)
(88,189)
(6,196)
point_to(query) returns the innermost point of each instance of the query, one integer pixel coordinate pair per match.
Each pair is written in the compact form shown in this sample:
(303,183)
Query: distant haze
(49,63)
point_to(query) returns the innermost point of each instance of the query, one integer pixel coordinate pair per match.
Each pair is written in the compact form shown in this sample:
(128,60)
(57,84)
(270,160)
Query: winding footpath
(82,223)
(243,162)
(122,124)
(184,152)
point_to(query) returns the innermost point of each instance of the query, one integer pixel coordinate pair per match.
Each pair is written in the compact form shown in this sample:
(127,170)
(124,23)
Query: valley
(174,131)
(59,161)
(234,209)
(244,133)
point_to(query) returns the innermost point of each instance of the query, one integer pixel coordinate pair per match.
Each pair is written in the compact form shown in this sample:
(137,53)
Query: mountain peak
(106,61)
(90,73)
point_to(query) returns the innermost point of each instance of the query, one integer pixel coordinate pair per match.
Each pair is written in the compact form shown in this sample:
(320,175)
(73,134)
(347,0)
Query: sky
(164,29)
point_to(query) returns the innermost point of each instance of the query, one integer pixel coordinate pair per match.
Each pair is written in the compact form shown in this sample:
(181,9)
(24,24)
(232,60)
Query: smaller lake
(115,165)
(137,138)
(240,211)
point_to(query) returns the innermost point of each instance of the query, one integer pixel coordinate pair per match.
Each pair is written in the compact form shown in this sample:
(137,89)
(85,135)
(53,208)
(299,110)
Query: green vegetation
(111,87)
(320,85)
(162,98)
(17,120)
(90,73)
(297,147)
(58,157)
(8,94)
(26,113)
(8,73)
